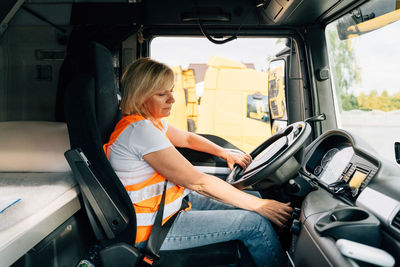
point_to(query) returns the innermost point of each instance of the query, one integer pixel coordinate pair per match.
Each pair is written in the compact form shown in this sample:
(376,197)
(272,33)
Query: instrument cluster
(340,169)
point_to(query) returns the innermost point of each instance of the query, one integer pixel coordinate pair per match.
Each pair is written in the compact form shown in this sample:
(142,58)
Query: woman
(142,152)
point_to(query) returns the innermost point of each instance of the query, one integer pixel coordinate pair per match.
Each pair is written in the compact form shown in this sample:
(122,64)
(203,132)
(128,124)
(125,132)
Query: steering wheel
(276,160)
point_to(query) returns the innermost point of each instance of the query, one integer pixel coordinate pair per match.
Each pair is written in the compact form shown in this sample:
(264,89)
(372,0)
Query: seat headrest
(106,91)
(95,61)
(33,146)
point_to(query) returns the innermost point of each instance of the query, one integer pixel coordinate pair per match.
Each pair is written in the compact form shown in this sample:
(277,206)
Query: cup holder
(348,215)
(350,223)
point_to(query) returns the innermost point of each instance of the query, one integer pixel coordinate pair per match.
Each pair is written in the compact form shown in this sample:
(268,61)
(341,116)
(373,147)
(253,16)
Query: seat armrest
(111,218)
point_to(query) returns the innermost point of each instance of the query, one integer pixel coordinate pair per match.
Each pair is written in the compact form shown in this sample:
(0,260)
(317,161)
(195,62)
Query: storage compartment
(348,215)
(65,246)
(350,223)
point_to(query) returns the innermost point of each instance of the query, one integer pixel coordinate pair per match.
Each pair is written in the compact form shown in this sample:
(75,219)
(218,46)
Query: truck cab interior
(61,203)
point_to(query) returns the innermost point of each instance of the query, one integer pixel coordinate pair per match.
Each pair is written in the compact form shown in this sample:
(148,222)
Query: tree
(396,100)
(345,69)
(382,102)
(349,102)
(361,99)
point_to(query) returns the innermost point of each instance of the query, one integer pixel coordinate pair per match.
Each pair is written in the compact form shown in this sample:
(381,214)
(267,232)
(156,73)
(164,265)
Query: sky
(177,51)
(377,54)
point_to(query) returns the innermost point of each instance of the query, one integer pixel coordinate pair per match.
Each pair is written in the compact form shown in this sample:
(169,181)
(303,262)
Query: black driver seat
(91,112)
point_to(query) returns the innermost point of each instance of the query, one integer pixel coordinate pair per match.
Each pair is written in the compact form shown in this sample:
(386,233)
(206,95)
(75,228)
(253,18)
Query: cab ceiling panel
(58,14)
(8,8)
(125,14)
(301,12)
(78,1)
(189,12)
(105,23)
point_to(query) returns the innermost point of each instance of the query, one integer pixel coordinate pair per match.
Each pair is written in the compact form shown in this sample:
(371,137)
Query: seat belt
(159,231)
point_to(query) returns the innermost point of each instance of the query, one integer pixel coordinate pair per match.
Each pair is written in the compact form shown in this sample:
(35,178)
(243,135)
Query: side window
(220,89)
(365,65)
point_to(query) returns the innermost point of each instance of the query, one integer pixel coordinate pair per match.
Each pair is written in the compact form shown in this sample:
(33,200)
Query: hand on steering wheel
(232,158)
(285,148)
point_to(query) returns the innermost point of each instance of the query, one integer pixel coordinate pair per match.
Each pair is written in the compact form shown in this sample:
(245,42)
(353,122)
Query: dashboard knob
(294,187)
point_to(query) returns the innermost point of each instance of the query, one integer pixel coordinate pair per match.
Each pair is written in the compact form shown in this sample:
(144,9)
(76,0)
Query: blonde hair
(142,79)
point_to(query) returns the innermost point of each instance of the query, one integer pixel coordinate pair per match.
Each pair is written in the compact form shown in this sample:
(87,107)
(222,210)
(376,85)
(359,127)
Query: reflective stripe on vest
(146,196)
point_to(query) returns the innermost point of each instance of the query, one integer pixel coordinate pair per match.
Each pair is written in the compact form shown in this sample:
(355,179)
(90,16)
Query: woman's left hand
(232,158)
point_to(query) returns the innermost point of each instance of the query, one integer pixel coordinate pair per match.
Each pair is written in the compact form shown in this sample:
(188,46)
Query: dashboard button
(354,192)
(347,168)
(317,170)
(296,132)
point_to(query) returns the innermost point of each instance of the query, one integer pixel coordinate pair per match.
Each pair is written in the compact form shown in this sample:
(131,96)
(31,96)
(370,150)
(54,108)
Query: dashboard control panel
(340,169)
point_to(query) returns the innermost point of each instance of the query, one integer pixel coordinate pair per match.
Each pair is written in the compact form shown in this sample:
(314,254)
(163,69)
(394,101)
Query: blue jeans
(211,221)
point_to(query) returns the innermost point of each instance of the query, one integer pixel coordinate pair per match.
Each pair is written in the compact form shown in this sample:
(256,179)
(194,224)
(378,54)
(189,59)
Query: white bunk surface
(35,174)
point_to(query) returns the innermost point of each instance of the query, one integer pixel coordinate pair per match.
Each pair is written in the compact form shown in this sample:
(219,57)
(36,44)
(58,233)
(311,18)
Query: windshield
(365,66)
(221,90)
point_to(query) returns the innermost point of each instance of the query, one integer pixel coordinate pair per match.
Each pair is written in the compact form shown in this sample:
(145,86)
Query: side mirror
(397,151)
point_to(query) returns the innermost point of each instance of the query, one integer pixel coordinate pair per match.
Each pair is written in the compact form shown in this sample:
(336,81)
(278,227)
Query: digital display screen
(357,179)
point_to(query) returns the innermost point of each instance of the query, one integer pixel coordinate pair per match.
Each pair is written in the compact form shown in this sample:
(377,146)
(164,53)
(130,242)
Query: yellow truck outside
(184,113)
(234,103)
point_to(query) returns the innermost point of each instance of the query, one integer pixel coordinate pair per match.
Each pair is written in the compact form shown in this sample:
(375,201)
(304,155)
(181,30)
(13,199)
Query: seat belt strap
(159,231)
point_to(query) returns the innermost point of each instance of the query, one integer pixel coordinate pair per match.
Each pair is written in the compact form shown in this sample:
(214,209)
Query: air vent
(49,54)
(396,221)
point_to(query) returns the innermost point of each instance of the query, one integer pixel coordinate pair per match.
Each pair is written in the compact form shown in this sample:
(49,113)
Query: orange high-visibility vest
(146,196)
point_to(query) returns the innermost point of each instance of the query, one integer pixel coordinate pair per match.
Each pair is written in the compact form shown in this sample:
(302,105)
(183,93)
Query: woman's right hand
(275,211)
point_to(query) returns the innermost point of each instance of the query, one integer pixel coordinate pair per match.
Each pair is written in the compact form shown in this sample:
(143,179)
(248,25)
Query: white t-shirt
(135,141)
